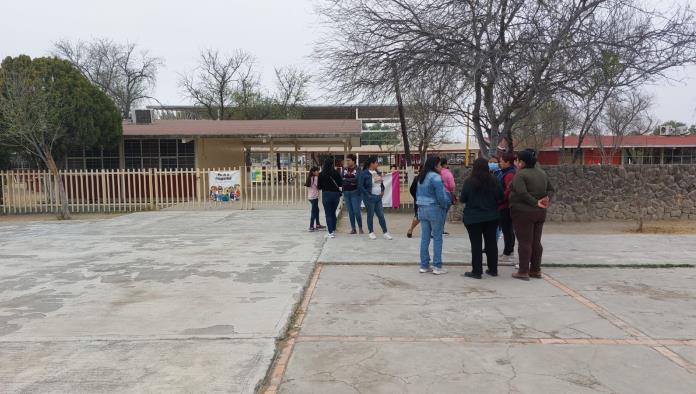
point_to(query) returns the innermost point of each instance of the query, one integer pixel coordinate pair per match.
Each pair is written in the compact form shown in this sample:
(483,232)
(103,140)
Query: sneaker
(330,235)
(360,231)
(387,236)
(312,229)
(471,275)
(439,271)
(535,275)
(445,233)
(372,236)
(425,270)
(517,266)
(353,231)
(488,272)
(320,227)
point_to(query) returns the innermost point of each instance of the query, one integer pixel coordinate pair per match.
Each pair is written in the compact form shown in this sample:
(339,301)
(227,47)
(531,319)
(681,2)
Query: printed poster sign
(256,174)
(224,186)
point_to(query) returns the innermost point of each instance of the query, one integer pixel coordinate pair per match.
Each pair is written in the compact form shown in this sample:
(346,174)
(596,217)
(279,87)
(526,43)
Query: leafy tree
(47,106)
(4,158)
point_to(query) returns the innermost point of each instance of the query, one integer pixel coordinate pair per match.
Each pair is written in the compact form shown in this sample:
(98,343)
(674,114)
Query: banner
(392,190)
(224,186)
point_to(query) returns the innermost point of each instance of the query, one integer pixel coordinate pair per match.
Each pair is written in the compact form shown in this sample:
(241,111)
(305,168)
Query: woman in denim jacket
(371,186)
(433,202)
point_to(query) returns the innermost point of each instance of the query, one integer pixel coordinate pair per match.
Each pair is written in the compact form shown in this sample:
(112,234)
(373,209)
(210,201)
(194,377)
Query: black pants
(508,231)
(485,231)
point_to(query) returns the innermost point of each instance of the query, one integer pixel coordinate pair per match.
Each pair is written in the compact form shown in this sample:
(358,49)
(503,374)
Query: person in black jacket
(413,189)
(330,185)
(481,195)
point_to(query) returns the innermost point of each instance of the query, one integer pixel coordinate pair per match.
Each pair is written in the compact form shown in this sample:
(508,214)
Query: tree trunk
(402,117)
(58,184)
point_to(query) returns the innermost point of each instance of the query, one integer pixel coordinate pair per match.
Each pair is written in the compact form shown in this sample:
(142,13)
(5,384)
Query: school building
(631,149)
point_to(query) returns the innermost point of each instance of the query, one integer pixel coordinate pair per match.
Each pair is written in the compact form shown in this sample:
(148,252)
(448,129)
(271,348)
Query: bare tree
(215,80)
(292,87)
(622,116)
(126,75)
(546,123)
(507,57)
(427,114)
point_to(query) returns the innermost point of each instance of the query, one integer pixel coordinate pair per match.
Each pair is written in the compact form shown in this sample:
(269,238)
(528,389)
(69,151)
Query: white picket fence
(33,191)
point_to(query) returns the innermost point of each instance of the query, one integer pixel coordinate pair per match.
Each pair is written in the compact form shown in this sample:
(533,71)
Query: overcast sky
(276,32)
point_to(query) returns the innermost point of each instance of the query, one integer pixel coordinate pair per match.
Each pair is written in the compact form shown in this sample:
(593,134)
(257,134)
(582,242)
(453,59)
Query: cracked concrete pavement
(194,302)
(149,302)
(389,329)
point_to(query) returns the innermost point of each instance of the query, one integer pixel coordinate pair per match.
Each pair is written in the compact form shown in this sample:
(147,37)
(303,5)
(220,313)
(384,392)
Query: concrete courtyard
(148,302)
(201,301)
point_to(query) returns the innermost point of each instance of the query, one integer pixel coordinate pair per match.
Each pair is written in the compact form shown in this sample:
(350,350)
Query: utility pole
(402,117)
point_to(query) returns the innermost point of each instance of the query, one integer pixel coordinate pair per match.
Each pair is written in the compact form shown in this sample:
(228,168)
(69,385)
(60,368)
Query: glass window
(150,148)
(167,147)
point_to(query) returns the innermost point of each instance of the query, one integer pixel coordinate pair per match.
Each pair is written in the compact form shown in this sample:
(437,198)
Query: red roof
(246,128)
(629,141)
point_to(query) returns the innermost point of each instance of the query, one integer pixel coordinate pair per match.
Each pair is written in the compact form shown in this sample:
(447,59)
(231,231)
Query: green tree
(47,107)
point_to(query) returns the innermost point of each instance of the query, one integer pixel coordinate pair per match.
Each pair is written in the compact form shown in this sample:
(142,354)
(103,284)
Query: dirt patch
(42,217)
(667,227)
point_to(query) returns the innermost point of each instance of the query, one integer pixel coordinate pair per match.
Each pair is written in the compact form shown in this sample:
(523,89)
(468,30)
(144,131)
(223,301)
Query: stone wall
(594,193)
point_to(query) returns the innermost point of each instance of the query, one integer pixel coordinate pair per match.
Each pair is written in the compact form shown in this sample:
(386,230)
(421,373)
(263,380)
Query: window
(92,158)
(159,153)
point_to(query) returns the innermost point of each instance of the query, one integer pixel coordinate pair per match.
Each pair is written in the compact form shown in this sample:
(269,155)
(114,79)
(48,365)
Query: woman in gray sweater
(530,193)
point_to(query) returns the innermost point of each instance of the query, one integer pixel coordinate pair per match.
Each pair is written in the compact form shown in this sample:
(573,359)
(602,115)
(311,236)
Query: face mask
(493,166)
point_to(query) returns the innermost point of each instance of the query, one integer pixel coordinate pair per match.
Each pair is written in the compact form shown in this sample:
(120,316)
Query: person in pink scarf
(448,181)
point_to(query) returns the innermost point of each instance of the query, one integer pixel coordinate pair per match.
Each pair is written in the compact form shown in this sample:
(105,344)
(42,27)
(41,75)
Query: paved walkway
(388,329)
(375,325)
(149,302)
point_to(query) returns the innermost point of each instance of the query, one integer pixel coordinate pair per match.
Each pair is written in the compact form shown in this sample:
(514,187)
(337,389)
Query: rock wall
(594,193)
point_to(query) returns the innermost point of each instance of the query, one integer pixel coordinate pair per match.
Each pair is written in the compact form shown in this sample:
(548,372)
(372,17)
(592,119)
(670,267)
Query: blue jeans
(432,219)
(314,216)
(352,200)
(374,207)
(330,201)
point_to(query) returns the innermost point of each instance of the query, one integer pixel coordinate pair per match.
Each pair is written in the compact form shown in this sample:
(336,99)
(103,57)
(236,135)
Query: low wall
(594,193)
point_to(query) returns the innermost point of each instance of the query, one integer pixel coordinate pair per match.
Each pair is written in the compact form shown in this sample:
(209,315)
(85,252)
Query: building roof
(245,128)
(307,112)
(629,141)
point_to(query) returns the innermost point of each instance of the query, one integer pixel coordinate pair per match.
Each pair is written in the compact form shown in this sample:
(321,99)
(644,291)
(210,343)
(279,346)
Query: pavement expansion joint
(639,336)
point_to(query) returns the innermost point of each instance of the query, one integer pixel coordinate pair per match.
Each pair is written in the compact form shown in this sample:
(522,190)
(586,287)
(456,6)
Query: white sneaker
(424,270)
(330,235)
(517,266)
(373,236)
(439,271)
(387,236)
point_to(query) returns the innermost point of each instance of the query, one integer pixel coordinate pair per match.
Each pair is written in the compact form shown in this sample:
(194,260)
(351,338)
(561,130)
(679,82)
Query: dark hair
(351,156)
(481,177)
(443,161)
(308,182)
(528,156)
(328,166)
(370,160)
(429,166)
(508,157)
(494,157)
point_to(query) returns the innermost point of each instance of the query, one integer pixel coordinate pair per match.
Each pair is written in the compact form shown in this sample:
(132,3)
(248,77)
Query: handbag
(340,192)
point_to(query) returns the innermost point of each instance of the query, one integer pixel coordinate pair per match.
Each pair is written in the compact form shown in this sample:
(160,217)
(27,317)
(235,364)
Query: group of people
(508,195)
(357,186)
